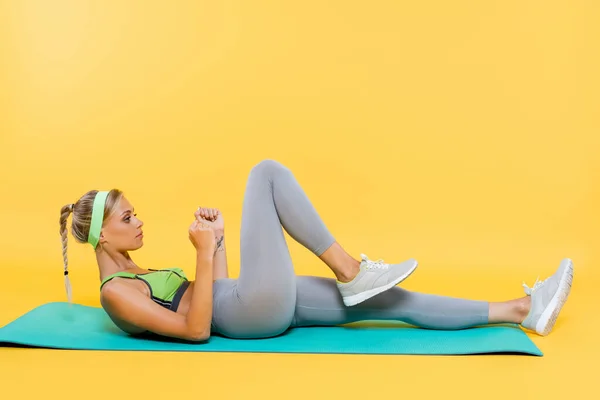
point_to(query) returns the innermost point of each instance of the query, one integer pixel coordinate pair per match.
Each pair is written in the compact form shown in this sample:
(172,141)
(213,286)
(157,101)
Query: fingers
(200,213)
(199,226)
(203,225)
(209,214)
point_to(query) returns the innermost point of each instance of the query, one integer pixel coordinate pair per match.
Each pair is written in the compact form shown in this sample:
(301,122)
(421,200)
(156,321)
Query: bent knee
(269,167)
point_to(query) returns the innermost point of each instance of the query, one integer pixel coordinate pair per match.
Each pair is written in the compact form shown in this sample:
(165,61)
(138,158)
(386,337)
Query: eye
(128,218)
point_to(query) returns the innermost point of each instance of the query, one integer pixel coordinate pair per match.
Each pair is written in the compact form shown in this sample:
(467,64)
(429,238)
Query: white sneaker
(547,298)
(373,278)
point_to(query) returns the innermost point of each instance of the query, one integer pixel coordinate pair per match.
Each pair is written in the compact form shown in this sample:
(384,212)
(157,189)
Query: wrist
(205,255)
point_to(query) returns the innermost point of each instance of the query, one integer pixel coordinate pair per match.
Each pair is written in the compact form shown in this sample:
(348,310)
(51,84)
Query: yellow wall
(464,134)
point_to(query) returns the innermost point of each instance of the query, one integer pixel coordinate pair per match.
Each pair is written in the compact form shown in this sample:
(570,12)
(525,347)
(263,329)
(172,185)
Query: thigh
(266,270)
(319,303)
(236,318)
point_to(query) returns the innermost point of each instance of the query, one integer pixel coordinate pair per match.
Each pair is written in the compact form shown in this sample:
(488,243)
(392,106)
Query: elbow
(199,336)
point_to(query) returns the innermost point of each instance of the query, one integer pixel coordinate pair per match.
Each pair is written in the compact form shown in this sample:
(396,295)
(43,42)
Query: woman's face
(122,230)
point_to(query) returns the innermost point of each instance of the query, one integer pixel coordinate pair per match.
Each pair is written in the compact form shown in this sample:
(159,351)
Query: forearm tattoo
(219,246)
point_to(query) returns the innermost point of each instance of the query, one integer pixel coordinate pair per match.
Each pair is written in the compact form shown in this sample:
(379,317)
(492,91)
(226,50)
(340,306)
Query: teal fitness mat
(78,327)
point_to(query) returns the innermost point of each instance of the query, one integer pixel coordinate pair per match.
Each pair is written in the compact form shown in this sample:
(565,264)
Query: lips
(141,233)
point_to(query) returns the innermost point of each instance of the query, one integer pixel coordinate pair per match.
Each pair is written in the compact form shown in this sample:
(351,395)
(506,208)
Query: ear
(101,239)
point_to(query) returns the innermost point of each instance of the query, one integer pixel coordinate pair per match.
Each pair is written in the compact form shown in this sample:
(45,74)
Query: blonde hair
(80,225)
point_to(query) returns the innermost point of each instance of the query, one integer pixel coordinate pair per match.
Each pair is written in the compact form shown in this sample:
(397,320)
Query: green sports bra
(167,286)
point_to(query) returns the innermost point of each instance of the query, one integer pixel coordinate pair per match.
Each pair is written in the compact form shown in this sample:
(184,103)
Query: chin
(135,247)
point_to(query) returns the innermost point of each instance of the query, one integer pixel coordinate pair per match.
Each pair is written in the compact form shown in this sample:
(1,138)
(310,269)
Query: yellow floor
(566,370)
(463,133)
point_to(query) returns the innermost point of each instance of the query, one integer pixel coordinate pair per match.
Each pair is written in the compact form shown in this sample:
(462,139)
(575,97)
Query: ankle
(348,272)
(344,267)
(521,308)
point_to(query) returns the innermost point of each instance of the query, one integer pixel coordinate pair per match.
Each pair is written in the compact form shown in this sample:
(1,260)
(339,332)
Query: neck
(110,262)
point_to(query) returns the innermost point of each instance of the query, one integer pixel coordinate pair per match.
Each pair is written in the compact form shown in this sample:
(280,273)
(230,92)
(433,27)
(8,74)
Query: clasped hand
(207,223)
(212,217)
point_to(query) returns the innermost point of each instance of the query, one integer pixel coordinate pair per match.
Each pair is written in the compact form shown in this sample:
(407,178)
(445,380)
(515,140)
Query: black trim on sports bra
(179,294)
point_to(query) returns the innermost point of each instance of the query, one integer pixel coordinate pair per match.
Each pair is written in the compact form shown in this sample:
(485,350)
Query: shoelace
(529,291)
(379,264)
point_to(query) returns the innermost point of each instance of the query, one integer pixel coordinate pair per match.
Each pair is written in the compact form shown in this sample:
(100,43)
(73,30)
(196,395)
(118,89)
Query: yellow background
(464,134)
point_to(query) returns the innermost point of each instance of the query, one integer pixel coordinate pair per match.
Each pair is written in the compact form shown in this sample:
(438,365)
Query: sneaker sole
(550,314)
(360,297)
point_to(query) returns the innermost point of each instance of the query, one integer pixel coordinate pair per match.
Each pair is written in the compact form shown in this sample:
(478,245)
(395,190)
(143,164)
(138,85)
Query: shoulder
(118,286)
(117,297)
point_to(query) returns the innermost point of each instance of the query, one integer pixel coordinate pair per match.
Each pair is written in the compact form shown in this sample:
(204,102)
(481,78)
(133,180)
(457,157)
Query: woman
(268,298)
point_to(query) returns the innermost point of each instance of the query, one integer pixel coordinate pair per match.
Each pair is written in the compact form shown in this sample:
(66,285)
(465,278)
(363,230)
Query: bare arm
(199,316)
(134,312)
(220,269)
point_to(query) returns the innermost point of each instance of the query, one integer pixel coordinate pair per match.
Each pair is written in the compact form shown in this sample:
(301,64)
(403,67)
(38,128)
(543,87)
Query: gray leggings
(268,298)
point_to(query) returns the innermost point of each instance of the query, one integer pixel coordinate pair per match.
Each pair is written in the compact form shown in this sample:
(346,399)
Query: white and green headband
(97,218)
